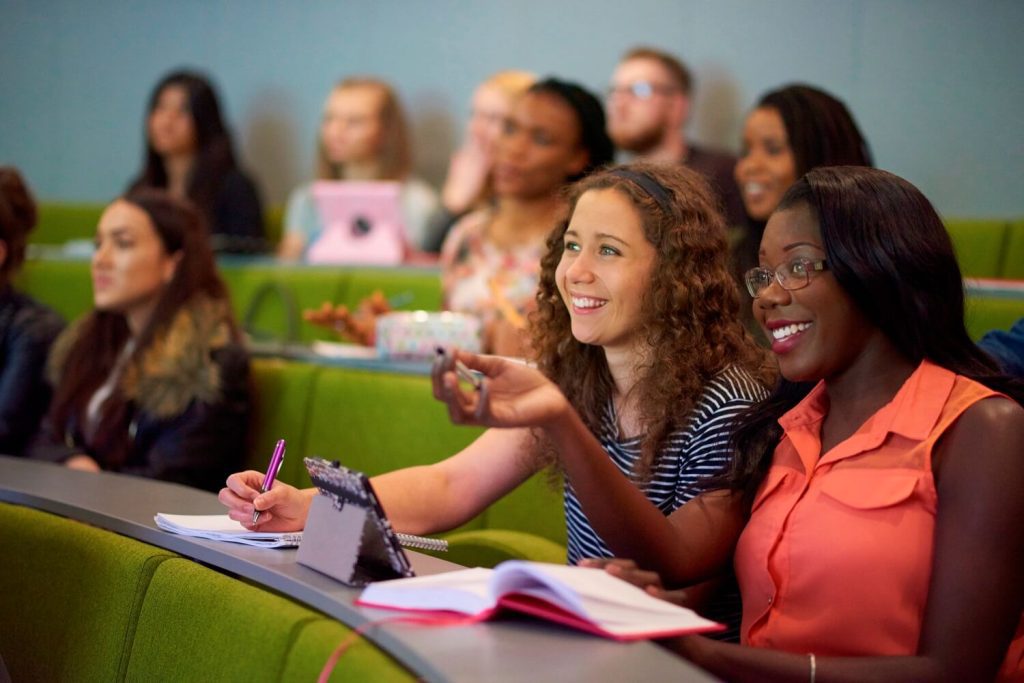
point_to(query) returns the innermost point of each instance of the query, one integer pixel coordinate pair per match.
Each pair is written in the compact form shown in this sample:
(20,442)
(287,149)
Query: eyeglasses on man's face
(795,274)
(641,90)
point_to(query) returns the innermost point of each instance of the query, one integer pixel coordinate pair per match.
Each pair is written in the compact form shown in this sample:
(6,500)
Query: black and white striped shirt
(687,458)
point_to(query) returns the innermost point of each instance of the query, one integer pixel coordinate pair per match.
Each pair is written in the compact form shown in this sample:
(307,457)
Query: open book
(582,597)
(223,528)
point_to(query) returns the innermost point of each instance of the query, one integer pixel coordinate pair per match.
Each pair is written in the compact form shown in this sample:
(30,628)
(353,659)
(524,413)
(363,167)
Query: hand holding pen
(272,469)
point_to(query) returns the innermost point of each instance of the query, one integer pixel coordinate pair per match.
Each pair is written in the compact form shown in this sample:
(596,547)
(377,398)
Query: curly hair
(691,311)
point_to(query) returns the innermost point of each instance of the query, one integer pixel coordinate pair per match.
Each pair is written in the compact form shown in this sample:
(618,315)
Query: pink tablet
(362,223)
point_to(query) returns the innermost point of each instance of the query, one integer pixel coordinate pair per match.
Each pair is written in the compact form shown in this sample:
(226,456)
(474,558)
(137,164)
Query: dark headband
(651,186)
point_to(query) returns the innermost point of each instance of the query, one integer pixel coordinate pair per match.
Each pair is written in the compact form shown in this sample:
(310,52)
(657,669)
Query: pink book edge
(517,602)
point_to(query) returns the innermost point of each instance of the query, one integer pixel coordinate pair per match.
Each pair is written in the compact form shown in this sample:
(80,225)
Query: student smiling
(637,324)
(873,506)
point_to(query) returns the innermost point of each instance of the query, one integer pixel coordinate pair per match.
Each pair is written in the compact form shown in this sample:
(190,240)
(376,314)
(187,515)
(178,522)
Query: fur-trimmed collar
(176,368)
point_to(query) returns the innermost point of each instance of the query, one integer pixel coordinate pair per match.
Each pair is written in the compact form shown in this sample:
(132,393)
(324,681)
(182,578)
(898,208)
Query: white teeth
(789,330)
(586,302)
(753,188)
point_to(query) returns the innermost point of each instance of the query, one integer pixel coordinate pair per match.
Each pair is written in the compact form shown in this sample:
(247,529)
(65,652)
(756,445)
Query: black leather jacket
(201,435)
(27,329)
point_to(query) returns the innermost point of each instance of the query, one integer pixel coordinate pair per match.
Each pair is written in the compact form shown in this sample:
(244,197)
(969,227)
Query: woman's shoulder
(469,228)
(32,320)
(734,383)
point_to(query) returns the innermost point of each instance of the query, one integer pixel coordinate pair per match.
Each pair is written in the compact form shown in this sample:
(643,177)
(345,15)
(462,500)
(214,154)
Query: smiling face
(539,148)
(130,267)
(352,130)
(171,128)
(605,270)
(766,168)
(817,331)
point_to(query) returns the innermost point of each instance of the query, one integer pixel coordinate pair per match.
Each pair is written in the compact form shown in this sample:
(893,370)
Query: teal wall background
(935,84)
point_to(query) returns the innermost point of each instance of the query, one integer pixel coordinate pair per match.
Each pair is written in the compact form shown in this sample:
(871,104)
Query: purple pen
(272,469)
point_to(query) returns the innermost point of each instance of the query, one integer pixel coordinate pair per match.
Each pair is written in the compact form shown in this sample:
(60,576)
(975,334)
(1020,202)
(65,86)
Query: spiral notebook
(223,528)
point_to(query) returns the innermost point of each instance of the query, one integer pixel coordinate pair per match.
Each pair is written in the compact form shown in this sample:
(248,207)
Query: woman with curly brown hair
(637,326)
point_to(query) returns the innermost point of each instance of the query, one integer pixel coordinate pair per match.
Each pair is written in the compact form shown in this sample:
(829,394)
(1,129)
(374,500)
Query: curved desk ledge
(494,651)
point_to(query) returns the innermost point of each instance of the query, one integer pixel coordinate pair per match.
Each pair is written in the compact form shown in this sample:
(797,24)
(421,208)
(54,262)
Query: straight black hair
(888,249)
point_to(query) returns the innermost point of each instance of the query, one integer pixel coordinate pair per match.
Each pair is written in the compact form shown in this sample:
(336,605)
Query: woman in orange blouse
(875,506)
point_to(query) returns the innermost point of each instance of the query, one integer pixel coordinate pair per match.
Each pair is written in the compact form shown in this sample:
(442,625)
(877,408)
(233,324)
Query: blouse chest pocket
(877,489)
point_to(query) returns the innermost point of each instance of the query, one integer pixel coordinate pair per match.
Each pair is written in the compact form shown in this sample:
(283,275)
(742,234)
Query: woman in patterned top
(490,261)
(637,327)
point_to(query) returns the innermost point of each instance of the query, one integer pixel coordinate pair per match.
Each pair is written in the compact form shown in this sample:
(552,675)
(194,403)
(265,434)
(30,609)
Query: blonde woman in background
(468,183)
(363,136)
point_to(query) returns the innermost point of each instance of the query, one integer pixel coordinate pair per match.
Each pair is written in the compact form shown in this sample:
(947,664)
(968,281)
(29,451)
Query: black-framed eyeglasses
(641,90)
(793,275)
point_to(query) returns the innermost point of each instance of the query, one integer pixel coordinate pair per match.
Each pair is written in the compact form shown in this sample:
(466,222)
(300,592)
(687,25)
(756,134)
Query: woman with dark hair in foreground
(873,511)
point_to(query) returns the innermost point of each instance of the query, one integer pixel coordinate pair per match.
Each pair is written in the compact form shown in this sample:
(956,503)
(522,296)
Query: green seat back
(491,547)
(283,394)
(979,245)
(1013,258)
(70,595)
(65,286)
(361,661)
(197,624)
(535,507)
(60,222)
(984,313)
(377,421)
(269,299)
(408,288)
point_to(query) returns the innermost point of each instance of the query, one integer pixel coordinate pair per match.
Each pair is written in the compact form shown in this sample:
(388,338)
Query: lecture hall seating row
(987,248)
(93,605)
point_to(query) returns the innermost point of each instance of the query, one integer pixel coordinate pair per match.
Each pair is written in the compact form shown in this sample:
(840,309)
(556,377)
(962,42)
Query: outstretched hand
(282,508)
(510,393)
(359,326)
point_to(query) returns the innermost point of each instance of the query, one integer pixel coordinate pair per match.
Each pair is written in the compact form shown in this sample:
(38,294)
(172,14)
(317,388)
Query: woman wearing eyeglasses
(873,511)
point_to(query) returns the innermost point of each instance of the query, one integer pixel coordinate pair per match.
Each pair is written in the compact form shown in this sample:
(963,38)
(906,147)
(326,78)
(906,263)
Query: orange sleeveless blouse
(838,561)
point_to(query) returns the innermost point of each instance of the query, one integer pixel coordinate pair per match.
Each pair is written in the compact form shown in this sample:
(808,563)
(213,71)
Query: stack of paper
(223,528)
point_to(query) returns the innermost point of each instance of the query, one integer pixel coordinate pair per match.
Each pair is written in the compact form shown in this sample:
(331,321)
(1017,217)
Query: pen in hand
(272,469)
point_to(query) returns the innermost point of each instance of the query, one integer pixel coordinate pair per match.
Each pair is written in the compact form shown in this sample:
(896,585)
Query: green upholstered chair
(536,506)
(984,313)
(60,222)
(376,421)
(409,288)
(490,547)
(65,285)
(979,245)
(196,624)
(70,595)
(269,298)
(283,395)
(362,661)
(1013,256)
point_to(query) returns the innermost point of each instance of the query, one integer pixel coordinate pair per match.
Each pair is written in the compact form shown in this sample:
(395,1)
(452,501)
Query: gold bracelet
(814,666)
